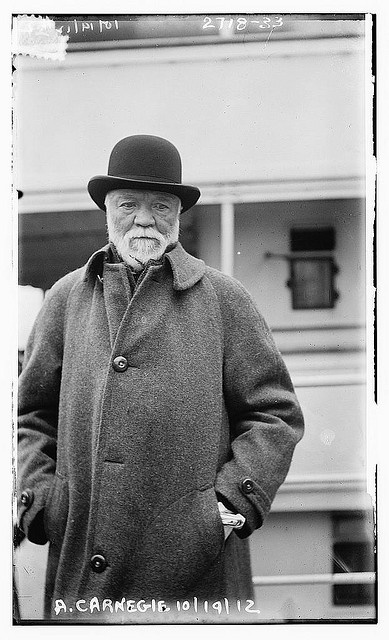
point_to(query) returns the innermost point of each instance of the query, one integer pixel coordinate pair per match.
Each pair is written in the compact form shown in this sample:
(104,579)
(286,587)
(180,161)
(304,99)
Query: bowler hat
(143,162)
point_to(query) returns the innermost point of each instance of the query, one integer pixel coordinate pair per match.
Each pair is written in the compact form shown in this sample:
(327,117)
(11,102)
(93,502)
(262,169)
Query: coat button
(98,563)
(247,486)
(120,363)
(27,498)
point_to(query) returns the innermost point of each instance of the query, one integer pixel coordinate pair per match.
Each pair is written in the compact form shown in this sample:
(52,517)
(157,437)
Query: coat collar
(186,269)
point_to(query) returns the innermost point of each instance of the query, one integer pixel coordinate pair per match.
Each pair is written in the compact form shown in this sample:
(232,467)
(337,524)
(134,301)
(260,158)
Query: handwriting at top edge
(241,23)
(81,26)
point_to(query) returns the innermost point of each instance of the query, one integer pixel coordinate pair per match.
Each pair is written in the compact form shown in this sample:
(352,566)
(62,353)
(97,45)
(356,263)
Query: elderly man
(157,419)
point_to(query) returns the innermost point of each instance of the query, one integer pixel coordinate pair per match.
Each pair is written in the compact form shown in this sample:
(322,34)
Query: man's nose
(144,216)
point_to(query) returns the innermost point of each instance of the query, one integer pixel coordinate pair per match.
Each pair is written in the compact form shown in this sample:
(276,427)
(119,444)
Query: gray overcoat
(138,410)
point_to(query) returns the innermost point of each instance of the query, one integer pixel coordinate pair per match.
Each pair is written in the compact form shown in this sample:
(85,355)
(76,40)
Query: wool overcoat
(138,410)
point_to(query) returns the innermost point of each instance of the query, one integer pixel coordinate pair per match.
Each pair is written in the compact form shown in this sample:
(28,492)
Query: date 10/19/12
(223,22)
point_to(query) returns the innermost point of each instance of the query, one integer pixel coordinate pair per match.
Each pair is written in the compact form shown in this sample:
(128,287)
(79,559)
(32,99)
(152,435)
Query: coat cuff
(243,495)
(30,506)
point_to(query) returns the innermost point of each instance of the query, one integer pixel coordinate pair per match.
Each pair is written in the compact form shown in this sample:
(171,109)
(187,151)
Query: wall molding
(77,199)
(288,189)
(323,493)
(312,338)
(329,380)
(362,577)
(314,482)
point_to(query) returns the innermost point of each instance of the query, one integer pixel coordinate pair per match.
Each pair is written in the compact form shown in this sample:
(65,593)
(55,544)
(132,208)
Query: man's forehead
(149,193)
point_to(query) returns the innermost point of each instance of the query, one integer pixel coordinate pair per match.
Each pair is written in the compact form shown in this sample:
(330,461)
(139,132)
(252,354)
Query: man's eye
(160,206)
(127,205)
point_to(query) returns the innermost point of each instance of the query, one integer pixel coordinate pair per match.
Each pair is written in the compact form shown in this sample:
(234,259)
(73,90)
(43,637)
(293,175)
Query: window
(322,239)
(312,268)
(353,551)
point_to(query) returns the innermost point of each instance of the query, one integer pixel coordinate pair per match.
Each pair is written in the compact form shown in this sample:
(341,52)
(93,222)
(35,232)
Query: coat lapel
(186,269)
(117,295)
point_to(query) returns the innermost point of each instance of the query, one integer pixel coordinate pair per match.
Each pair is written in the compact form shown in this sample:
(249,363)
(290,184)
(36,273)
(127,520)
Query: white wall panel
(265,114)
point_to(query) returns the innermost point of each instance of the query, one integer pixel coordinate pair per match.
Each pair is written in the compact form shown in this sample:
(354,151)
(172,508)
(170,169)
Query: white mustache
(144,233)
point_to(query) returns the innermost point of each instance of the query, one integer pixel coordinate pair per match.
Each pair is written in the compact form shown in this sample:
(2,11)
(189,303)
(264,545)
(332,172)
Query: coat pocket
(56,510)
(179,545)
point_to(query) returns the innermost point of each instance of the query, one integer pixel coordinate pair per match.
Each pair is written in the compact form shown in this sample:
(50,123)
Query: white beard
(134,250)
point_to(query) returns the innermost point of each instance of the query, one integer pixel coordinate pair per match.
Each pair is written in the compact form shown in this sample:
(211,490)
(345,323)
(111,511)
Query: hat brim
(99,186)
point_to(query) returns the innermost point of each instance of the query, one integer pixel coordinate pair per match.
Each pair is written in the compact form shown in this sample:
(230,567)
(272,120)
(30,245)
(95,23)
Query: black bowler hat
(143,162)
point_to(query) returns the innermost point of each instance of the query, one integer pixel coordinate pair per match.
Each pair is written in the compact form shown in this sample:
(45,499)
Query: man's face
(142,224)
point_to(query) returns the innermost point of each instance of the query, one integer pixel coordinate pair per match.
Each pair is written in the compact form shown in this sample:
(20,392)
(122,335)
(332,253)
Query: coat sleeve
(265,417)
(38,399)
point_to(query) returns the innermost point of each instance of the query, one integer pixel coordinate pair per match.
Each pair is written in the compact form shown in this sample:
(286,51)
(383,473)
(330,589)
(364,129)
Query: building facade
(273,131)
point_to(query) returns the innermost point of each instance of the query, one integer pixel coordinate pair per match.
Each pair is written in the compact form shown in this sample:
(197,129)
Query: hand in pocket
(230,519)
